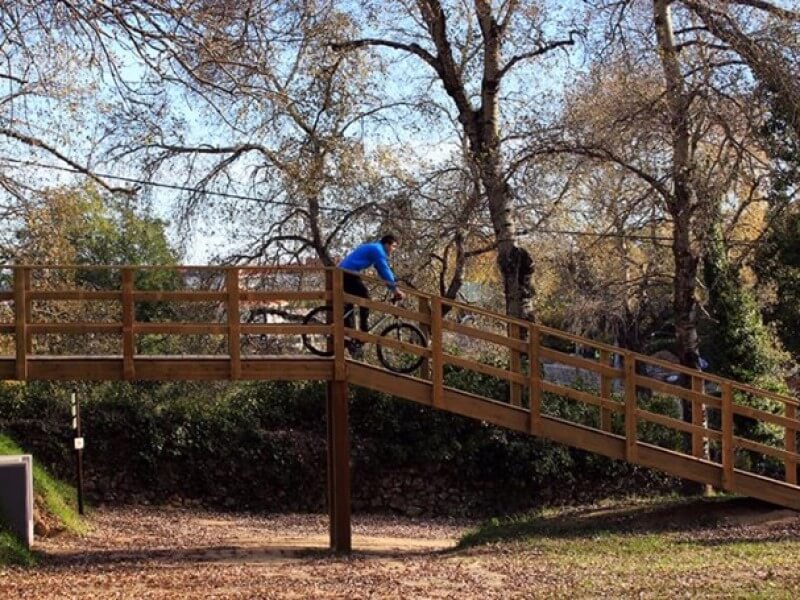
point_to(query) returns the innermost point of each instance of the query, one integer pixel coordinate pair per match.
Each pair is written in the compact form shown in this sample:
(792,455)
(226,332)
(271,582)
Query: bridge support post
(338,467)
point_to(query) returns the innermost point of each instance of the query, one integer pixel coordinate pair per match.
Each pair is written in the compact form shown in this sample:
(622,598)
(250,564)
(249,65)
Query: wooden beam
(26,277)
(699,420)
(515,366)
(727,437)
(790,443)
(338,467)
(424,307)
(339,358)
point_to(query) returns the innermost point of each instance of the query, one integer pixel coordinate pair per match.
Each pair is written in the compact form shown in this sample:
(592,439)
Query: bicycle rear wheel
(319,344)
(397,359)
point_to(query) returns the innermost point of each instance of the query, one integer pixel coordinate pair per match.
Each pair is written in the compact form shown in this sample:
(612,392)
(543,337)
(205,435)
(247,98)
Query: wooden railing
(617,394)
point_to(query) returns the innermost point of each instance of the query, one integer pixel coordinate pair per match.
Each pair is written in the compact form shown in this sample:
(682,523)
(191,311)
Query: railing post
(234,326)
(339,365)
(515,364)
(21,321)
(128,317)
(424,305)
(605,392)
(631,448)
(437,353)
(790,442)
(534,379)
(727,436)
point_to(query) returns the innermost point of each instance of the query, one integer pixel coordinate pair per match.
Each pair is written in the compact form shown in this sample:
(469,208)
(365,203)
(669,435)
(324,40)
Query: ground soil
(180,553)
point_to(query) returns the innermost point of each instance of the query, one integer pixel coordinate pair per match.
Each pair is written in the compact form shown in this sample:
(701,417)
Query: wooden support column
(234,326)
(338,467)
(128,318)
(515,364)
(605,391)
(21,322)
(534,379)
(338,431)
(631,448)
(26,278)
(437,354)
(727,437)
(790,442)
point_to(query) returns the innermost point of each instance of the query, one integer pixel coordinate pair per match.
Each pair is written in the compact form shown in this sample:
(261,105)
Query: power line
(169,186)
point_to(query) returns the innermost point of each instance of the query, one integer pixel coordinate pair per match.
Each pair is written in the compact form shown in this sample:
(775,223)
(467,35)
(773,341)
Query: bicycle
(393,358)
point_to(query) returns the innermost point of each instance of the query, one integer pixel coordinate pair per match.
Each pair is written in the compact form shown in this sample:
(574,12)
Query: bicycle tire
(318,344)
(416,337)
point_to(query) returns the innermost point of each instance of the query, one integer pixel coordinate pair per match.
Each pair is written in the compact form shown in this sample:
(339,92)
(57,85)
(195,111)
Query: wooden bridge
(126,323)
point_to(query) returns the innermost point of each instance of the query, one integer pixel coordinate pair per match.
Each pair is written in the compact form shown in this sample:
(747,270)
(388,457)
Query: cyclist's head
(390,242)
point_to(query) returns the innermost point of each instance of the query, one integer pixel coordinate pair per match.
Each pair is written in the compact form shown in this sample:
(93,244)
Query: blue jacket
(371,254)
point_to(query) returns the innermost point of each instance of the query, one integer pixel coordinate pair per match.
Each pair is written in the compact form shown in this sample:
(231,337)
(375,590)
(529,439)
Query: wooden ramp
(624,393)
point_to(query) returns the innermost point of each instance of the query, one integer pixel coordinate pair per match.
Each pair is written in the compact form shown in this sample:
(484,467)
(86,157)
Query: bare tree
(467,48)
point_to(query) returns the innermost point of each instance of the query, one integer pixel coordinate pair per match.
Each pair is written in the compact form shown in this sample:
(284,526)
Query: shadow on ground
(682,515)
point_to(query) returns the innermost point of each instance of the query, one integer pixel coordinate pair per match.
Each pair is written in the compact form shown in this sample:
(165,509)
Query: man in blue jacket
(371,254)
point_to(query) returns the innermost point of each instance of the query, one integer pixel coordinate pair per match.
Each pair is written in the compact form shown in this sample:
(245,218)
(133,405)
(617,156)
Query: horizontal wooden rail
(579,362)
(760,415)
(678,424)
(179,296)
(5,296)
(740,442)
(281,329)
(180,328)
(387,341)
(7,328)
(571,337)
(487,336)
(74,328)
(676,390)
(54,295)
(283,296)
(403,313)
(466,363)
(581,396)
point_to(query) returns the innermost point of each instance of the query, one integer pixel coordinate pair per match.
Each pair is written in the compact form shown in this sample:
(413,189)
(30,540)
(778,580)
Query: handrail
(231,295)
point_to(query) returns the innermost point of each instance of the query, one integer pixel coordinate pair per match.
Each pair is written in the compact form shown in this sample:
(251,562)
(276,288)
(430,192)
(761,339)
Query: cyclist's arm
(385,271)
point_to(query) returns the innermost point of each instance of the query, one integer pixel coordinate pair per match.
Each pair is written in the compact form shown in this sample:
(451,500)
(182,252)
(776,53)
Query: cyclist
(370,254)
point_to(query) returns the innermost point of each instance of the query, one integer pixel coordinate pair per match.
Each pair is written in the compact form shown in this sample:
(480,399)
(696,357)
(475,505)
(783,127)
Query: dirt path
(166,553)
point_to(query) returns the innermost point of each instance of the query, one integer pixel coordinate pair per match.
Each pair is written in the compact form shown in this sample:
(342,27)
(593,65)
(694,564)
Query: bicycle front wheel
(396,358)
(319,344)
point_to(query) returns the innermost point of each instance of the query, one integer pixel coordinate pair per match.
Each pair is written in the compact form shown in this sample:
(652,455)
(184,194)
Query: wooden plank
(157,369)
(437,353)
(234,338)
(7,328)
(184,296)
(7,368)
(581,363)
(678,424)
(21,319)
(756,486)
(676,368)
(535,380)
(74,328)
(682,465)
(282,329)
(340,366)
(676,390)
(487,336)
(549,331)
(790,443)
(472,365)
(760,415)
(385,307)
(286,369)
(780,453)
(284,295)
(128,325)
(727,437)
(388,342)
(85,369)
(581,396)
(82,295)
(339,467)
(515,366)
(605,391)
(181,328)
(741,387)
(631,446)
(6,296)
(471,308)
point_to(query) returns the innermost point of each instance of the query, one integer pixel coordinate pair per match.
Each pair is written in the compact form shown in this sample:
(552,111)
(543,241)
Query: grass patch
(55,497)
(661,547)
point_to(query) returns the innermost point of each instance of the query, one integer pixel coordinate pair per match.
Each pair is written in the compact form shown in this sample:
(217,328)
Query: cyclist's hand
(398,295)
